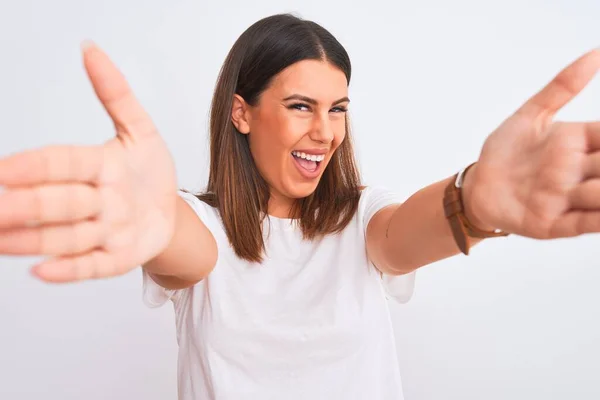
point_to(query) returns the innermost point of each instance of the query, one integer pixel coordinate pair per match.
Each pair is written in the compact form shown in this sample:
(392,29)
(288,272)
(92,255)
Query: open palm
(539,178)
(96,211)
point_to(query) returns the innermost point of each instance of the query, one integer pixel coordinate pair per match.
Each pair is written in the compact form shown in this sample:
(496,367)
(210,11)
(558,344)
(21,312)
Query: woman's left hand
(536,177)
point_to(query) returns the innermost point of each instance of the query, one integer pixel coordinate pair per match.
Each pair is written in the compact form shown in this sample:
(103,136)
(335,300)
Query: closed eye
(299,106)
(340,109)
(306,107)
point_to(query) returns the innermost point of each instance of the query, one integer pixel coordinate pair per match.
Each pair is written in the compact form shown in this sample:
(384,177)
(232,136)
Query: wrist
(471,208)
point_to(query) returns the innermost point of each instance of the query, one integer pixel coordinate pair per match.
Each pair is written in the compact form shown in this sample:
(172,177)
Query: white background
(515,320)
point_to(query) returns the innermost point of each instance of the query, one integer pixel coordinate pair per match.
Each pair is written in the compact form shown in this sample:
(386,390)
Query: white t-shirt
(310,322)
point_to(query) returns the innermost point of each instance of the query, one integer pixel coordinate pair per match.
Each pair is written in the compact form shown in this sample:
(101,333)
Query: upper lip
(313,152)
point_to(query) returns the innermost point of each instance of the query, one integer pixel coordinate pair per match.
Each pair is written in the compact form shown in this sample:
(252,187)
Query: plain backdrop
(515,320)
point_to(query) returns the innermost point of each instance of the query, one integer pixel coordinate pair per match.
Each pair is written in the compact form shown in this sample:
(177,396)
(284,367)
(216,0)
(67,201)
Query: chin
(297,190)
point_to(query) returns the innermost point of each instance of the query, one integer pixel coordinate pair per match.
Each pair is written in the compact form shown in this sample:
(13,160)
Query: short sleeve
(154,295)
(399,288)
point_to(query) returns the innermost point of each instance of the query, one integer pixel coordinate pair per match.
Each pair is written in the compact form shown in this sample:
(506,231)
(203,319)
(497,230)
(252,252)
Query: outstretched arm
(190,255)
(404,237)
(534,177)
(100,211)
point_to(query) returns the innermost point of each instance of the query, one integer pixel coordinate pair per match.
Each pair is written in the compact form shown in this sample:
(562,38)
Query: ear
(240,114)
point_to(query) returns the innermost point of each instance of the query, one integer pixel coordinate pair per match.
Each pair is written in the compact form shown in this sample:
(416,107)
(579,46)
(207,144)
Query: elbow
(394,260)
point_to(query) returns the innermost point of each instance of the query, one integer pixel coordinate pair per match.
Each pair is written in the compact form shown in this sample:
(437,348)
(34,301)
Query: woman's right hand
(92,211)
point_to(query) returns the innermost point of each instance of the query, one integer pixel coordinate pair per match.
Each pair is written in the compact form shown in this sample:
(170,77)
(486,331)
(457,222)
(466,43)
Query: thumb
(564,87)
(114,93)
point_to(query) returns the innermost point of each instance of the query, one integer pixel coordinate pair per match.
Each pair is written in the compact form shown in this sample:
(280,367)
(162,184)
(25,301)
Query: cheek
(339,133)
(279,134)
(271,142)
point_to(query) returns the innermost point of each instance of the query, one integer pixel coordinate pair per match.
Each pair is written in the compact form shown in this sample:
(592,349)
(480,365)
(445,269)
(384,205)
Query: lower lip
(306,173)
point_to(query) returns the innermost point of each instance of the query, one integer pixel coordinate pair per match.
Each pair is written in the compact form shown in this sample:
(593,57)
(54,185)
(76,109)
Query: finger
(591,166)
(114,93)
(52,164)
(586,195)
(575,223)
(66,239)
(564,87)
(592,130)
(92,265)
(48,204)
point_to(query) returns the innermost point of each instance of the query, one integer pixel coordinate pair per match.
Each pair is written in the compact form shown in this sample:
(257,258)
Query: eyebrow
(313,101)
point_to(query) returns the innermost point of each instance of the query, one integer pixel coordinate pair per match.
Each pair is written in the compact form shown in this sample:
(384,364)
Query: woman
(278,272)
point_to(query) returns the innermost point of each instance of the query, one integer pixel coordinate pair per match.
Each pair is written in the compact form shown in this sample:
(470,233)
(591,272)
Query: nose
(321,130)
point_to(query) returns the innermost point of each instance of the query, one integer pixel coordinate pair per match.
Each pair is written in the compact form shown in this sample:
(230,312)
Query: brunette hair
(235,186)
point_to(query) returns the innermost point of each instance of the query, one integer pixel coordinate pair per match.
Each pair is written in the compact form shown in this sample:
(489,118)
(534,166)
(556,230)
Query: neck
(280,206)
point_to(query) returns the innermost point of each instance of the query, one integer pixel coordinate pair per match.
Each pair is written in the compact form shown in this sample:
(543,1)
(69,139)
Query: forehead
(313,78)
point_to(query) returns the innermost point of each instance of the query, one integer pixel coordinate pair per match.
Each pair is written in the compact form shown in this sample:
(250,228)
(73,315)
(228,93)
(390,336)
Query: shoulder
(201,204)
(194,200)
(375,198)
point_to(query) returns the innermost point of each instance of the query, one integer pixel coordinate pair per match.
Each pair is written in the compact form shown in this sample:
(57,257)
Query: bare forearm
(190,255)
(418,232)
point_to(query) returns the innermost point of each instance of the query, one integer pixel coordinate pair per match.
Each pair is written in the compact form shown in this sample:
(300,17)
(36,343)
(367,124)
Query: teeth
(309,157)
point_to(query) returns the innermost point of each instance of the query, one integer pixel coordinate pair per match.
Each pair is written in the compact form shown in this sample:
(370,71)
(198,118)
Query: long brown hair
(235,186)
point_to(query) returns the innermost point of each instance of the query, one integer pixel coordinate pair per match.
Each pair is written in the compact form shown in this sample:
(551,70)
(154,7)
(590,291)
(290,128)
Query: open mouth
(308,162)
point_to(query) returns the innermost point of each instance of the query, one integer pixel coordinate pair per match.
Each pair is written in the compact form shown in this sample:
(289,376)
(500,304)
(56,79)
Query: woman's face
(297,124)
